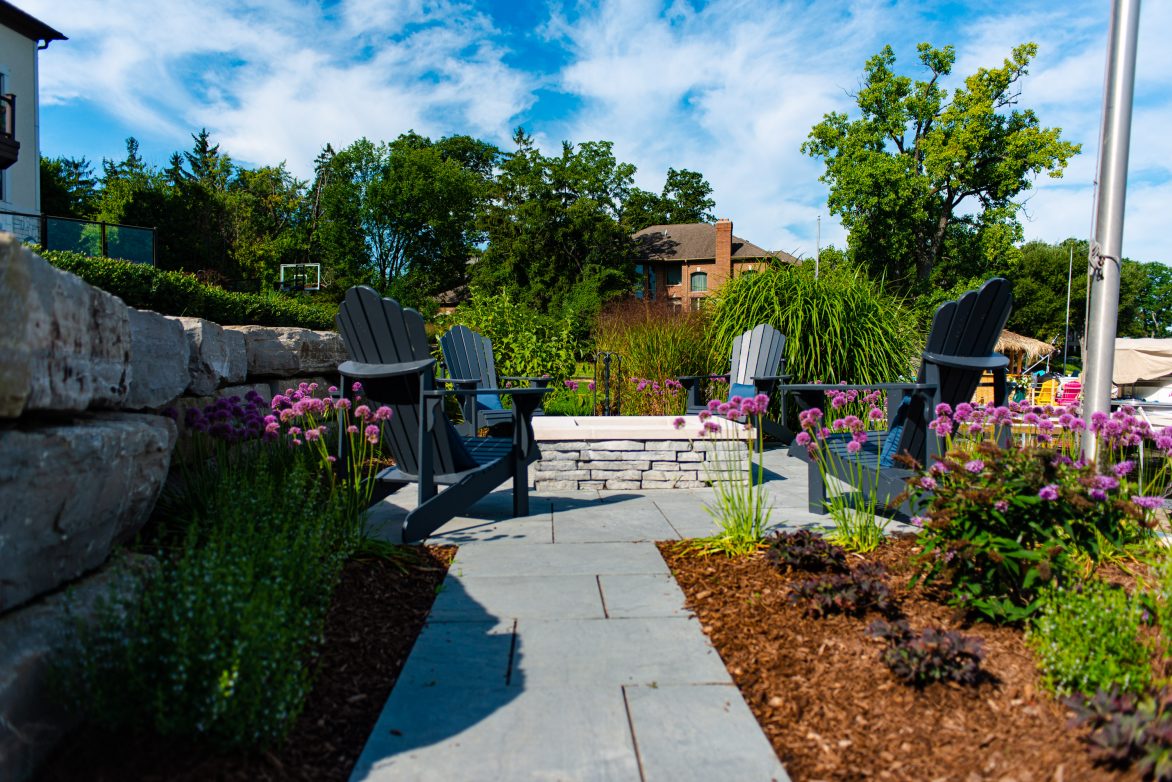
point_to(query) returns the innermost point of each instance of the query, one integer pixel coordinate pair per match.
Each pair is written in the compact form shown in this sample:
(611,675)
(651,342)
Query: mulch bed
(377,613)
(834,711)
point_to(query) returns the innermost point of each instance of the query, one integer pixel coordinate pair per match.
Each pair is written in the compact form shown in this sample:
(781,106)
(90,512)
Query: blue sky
(729,88)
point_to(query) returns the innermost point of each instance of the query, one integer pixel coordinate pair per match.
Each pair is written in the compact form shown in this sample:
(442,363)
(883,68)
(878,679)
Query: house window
(674,275)
(639,284)
(699,281)
(651,283)
(697,303)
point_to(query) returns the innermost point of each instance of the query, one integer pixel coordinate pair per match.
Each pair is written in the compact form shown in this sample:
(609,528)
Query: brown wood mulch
(833,710)
(377,612)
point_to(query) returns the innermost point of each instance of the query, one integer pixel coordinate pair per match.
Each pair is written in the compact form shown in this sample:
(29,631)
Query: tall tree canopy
(686,198)
(414,204)
(69,187)
(924,176)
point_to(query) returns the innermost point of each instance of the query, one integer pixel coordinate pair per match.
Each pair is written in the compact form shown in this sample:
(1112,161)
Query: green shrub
(525,343)
(220,644)
(1001,524)
(1087,638)
(840,326)
(177,293)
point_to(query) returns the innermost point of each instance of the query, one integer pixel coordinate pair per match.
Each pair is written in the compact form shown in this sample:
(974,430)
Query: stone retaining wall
(84,452)
(638,464)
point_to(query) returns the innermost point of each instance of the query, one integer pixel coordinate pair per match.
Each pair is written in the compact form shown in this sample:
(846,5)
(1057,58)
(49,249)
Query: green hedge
(177,293)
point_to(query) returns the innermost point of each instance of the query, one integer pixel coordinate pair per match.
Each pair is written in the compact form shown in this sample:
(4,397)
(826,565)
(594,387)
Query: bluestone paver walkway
(559,648)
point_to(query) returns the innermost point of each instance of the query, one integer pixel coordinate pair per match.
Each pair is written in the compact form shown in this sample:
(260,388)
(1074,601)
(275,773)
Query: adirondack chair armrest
(463,382)
(533,382)
(701,377)
(779,378)
(994,361)
(362,371)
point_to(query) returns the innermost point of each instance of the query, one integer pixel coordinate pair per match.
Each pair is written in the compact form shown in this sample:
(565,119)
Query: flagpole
(1106,250)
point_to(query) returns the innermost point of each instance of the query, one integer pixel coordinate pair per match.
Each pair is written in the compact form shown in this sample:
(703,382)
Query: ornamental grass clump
(838,450)
(742,507)
(999,523)
(651,397)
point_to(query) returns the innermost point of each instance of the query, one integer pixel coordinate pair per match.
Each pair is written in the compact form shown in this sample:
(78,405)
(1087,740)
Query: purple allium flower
(762,401)
(371,433)
(938,468)
(1106,482)
(875,414)
(1123,468)
(331,459)
(572,385)
(384,413)
(311,435)
(590,386)
(357,387)
(928,482)
(803,438)
(1098,495)
(943,410)
(711,426)
(713,404)
(351,429)
(1148,503)
(1049,493)
(1001,506)
(854,446)
(332,389)
(723,408)
(1031,418)
(963,411)
(362,411)
(678,423)
(974,466)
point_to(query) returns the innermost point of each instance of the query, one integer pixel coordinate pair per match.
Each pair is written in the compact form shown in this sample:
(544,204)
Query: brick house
(689,262)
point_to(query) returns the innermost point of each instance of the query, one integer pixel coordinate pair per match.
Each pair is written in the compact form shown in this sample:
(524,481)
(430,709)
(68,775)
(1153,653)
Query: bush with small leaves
(1087,637)
(854,592)
(1127,729)
(928,656)
(805,550)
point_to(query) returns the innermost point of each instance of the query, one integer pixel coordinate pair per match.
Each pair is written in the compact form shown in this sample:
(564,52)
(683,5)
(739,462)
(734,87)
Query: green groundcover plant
(178,293)
(1087,637)
(217,642)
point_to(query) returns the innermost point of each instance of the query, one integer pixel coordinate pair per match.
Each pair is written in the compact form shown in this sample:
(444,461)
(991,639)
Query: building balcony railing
(109,240)
(9,146)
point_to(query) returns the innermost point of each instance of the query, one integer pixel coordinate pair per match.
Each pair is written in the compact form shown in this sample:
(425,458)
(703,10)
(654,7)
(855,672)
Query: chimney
(724,248)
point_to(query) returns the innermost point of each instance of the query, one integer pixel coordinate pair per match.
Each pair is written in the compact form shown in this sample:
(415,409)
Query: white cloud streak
(729,88)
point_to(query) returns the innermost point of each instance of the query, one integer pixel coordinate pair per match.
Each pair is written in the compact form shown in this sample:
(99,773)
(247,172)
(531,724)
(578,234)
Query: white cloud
(729,88)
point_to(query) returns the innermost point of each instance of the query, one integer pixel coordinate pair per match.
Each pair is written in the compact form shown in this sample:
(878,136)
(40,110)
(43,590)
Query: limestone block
(158,360)
(566,475)
(720,446)
(623,475)
(279,351)
(620,445)
(658,454)
(591,484)
(602,456)
(555,485)
(673,445)
(71,491)
(665,466)
(621,484)
(684,456)
(657,484)
(570,445)
(31,720)
(609,465)
(556,456)
(555,466)
(64,344)
(691,484)
(217,356)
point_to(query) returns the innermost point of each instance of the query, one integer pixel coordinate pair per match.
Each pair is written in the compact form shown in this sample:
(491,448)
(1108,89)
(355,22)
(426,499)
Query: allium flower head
(1148,503)
(1049,493)
(1123,468)
(678,423)
(974,466)
(853,446)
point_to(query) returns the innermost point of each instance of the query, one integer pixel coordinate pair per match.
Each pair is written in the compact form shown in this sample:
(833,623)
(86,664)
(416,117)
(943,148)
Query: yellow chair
(1045,394)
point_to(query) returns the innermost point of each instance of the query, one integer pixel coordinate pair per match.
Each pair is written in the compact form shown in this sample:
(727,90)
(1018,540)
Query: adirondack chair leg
(692,389)
(816,493)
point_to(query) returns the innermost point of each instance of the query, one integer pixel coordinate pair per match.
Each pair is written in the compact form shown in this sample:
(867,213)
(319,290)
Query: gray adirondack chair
(756,367)
(391,359)
(470,362)
(959,350)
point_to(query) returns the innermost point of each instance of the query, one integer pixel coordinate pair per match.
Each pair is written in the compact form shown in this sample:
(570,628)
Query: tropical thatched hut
(1022,350)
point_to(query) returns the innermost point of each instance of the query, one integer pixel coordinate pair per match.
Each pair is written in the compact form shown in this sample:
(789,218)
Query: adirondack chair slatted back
(467,355)
(378,331)
(756,353)
(969,326)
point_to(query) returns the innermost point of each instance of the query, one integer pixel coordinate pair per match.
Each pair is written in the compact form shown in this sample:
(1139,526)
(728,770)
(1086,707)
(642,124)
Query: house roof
(695,241)
(29,26)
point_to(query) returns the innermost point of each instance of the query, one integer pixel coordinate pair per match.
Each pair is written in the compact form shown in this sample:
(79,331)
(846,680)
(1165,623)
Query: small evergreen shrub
(177,293)
(928,656)
(1087,638)
(805,550)
(220,644)
(854,593)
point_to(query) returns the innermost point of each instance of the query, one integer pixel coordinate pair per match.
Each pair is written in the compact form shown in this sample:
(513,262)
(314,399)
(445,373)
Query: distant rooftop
(696,241)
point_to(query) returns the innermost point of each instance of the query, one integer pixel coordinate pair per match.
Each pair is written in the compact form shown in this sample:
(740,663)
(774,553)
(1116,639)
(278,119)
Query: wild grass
(657,342)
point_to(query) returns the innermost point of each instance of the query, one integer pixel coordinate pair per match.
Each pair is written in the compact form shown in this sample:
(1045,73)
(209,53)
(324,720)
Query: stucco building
(21,37)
